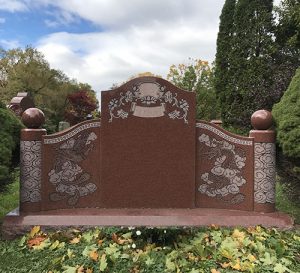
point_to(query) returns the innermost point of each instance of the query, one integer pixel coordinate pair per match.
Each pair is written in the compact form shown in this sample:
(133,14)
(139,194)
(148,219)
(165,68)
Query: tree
(247,73)
(24,70)
(80,105)
(287,116)
(9,144)
(27,70)
(287,34)
(224,44)
(197,76)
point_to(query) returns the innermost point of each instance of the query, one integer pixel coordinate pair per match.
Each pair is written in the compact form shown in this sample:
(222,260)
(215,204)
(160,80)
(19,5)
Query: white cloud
(9,44)
(104,58)
(12,5)
(122,14)
(138,36)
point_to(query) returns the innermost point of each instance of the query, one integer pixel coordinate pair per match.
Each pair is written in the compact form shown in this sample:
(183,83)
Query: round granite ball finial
(262,120)
(33,118)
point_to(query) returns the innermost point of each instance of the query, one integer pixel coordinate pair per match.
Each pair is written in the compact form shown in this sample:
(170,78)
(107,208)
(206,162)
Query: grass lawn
(285,205)
(9,199)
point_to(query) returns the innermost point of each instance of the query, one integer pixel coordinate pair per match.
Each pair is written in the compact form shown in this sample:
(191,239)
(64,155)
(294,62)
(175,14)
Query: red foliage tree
(80,106)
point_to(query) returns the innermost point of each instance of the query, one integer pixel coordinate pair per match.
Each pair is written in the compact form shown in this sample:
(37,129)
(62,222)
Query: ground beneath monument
(15,224)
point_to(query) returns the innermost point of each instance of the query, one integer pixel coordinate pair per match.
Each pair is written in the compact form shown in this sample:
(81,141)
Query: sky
(105,42)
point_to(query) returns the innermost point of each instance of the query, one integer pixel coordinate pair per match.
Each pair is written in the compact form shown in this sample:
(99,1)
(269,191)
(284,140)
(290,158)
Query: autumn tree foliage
(80,105)
(197,76)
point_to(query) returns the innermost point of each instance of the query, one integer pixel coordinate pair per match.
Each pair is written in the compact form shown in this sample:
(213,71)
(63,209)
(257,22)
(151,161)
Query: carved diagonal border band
(223,135)
(72,133)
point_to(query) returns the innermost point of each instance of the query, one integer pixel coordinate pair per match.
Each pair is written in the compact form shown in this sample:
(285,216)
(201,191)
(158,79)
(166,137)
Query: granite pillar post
(264,161)
(31,160)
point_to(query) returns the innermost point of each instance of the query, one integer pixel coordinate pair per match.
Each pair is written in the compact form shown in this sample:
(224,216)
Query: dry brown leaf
(94,255)
(237,266)
(225,265)
(114,237)
(75,240)
(36,241)
(117,239)
(80,269)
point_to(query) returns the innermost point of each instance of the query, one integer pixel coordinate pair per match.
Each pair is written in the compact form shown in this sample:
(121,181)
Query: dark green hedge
(10,127)
(287,117)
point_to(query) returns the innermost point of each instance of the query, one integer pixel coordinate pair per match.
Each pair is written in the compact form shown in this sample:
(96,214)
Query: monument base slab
(15,224)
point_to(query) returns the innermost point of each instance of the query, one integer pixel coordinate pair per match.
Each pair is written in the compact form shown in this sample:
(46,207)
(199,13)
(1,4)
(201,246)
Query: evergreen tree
(224,44)
(248,77)
(287,33)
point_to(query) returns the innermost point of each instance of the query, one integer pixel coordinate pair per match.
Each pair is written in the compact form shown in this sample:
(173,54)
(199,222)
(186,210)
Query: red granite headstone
(147,146)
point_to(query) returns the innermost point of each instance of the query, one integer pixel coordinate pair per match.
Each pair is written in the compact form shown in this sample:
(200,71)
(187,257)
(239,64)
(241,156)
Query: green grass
(9,199)
(285,205)
(199,250)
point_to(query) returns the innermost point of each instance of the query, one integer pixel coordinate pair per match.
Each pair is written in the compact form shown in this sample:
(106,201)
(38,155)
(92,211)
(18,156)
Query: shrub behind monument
(10,127)
(287,117)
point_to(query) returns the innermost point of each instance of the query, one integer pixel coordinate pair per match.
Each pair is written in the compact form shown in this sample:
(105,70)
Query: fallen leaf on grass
(225,265)
(103,263)
(236,266)
(69,269)
(251,258)
(239,235)
(36,241)
(34,231)
(94,255)
(118,240)
(214,271)
(280,268)
(80,269)
(75,240)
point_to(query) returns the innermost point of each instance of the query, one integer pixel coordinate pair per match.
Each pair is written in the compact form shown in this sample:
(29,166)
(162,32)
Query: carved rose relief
(70,180)
(225,177)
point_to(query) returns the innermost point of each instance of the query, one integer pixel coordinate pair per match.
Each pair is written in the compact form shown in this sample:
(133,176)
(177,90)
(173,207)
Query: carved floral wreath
(163,97)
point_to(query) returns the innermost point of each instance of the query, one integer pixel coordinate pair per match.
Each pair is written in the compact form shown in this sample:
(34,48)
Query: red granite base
(15,224)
